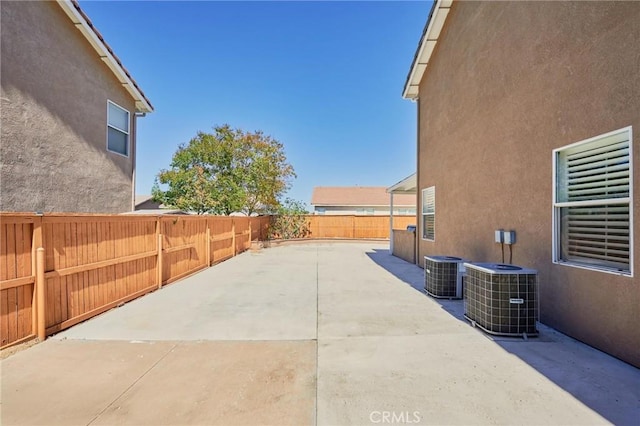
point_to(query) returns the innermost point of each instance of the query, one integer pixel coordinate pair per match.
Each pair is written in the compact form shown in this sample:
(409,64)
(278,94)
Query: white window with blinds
(117,129)
(593,194)
(429,213)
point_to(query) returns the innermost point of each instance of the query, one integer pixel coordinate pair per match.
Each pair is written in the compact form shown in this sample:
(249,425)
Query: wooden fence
(17,279)
(57,270)
(91,263)
(359,227)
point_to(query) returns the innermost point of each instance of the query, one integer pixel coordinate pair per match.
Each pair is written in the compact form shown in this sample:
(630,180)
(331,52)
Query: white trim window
(117,129)
(429,213)
(593,213)
(368,211)
(406,212)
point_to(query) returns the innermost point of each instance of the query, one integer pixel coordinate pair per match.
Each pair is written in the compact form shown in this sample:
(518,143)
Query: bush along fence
(57,270)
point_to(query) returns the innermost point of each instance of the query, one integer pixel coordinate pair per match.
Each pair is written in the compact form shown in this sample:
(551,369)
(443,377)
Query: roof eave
(428,41)
(407,185)
(395,204)
(79,19)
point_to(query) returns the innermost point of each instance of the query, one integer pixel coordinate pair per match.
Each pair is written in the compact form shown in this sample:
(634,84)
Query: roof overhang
(84,25)
(361,205)
(155,212)
(407,185)
(428,41)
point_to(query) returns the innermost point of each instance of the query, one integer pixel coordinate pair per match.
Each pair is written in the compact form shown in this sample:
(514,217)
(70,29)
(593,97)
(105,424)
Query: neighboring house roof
(89,31)
(358,196)
(142,199)
(428,41)
(145,202)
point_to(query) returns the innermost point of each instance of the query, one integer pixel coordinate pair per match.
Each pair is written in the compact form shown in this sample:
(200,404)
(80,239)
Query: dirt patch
(11,350)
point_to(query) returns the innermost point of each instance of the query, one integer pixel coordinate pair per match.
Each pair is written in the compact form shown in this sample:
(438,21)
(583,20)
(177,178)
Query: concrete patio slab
(443,379)
(71,382)
(354,300)
(223,383)
(417,358)
(250,297)
(326,334)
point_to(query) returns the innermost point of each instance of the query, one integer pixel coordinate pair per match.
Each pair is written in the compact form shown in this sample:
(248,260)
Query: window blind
(429,213)
(596,233)
(593,190)
(601,172)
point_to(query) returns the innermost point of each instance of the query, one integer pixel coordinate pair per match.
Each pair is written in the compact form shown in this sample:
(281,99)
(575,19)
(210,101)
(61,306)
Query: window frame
(423,214)
(127,133)
(406,211)
(365,211)
(556,207)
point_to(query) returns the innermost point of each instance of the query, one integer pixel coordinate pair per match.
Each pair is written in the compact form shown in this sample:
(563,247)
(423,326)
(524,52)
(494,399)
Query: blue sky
(324,78)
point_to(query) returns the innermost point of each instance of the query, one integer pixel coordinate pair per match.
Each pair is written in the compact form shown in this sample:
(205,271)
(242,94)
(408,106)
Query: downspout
(419,222)
(134,147)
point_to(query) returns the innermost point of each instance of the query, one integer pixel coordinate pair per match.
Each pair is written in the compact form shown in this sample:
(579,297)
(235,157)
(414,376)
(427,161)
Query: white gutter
(86,28)
(427,44)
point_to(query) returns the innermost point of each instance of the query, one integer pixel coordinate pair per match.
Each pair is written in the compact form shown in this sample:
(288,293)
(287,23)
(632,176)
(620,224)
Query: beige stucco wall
(508,83)
(54,117)
(404,244)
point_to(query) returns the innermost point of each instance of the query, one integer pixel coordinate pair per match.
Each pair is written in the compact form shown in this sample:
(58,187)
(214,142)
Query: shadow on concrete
(605,384)
(413,276)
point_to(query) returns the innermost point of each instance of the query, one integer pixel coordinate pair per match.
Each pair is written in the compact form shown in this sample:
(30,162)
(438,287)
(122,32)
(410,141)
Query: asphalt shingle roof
(358,196)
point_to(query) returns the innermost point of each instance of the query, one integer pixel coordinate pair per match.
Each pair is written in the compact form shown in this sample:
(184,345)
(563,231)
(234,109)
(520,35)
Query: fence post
(159,248)
(233,235)
(159,251)
(353,226)
(160,261)
(208,245)
(40,293)
(250,233)
(267,228)
(36,242)
(264,227)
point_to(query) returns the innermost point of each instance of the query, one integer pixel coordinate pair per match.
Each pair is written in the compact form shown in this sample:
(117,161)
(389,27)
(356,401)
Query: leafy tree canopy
(226,171)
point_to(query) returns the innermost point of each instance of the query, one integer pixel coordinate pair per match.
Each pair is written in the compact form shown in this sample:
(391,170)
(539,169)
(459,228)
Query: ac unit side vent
(443,277)
(501,299)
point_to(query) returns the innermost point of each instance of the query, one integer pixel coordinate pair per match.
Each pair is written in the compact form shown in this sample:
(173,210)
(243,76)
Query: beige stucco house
(526,120)
(359,200)
(69,113)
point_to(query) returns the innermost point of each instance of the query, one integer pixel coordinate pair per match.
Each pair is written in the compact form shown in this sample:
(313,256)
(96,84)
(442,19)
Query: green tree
(226,171)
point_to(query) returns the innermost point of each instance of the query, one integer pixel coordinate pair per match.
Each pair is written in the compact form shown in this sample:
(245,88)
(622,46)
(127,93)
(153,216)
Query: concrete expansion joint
(178,342)
(317,372)
(171,349)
